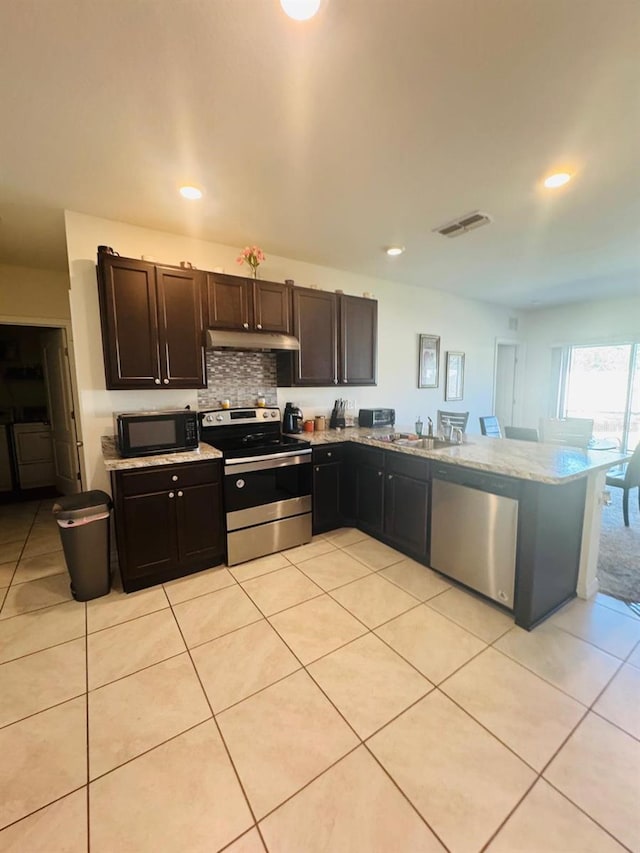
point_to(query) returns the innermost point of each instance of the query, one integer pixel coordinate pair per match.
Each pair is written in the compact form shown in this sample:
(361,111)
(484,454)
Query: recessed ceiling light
(300,10)
(394,250)
(190,192)
(557,180)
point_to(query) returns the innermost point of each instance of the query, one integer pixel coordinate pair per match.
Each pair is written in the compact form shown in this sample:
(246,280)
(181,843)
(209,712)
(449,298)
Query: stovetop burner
(247,432)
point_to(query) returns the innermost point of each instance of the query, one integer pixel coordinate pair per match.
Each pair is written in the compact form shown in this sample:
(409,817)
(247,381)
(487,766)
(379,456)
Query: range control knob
(274,414)
(265,414)
(219,418)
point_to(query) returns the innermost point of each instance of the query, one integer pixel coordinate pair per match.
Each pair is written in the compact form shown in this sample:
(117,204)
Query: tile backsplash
(240,377)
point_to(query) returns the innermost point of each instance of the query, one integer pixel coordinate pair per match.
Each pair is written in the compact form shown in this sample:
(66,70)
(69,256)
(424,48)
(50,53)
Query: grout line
(219,730)
(40,809)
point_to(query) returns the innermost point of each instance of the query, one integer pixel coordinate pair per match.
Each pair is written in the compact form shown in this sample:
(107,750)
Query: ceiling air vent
(463,224)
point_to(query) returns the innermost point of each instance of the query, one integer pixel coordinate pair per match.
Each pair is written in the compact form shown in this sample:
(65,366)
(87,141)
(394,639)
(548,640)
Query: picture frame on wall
(454,377)
(428,361)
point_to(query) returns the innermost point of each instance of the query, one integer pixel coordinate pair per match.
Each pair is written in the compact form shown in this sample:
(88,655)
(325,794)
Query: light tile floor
(337,697)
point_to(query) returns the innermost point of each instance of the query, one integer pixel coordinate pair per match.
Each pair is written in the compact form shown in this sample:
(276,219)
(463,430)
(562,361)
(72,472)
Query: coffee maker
(292,419)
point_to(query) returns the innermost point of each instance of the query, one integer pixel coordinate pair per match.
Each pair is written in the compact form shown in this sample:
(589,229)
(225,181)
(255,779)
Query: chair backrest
(490,426)
(575,432)
(521,433)
(456,419)
(632,474)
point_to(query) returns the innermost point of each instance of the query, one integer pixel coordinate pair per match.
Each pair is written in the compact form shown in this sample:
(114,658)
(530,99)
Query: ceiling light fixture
(300,10)
(192,193)
(557,180)
(392,251)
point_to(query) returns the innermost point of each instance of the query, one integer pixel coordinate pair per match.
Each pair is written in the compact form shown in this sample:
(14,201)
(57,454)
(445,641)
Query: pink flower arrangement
(252,255)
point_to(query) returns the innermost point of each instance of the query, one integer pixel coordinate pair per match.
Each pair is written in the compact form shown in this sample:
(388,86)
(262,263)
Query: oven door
(262,489)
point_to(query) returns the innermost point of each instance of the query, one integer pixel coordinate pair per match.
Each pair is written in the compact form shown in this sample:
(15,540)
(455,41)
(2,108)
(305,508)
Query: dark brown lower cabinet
(327,488)
(169,521)
(406,504)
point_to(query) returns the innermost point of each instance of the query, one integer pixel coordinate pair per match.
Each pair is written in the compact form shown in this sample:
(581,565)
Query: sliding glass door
(603,383)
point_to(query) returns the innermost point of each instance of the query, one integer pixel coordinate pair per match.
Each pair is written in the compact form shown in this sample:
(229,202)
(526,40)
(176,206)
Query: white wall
(403,313)
(603,322)
(27,292)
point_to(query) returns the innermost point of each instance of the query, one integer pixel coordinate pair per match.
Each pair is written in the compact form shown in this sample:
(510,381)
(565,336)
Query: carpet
(619,557)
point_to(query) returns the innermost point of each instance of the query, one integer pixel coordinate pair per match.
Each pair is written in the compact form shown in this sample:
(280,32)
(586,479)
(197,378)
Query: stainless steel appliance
(292,418)
(474,528)
(33,453)
(376,417)
(267,481)
(148,433)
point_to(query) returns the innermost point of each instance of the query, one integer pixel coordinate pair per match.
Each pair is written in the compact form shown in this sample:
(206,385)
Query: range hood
(218,339)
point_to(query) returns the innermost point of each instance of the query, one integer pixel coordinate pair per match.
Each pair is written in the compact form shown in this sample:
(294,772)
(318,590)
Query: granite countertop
(114,462)
(524,460)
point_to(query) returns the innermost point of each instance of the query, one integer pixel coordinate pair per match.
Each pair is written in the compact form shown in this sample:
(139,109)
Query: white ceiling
(327,140)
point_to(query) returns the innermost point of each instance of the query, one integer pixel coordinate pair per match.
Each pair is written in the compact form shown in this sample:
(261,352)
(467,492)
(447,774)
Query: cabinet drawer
(163,477)
(407,465)
(331,453)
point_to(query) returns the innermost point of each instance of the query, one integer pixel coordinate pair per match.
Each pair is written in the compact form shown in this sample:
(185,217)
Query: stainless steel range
(267,481)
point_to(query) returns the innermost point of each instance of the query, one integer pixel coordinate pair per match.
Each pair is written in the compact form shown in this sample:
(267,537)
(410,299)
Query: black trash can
(83,520)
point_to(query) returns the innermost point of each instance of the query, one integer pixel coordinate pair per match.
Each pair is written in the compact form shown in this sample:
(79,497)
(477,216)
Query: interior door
(505,383)
(63,428)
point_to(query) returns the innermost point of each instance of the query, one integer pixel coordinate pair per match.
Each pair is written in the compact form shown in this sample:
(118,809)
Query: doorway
(38,437)
(505,379)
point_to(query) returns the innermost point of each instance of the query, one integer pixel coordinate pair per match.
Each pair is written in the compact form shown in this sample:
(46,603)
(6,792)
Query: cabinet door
(228,301)
(369,497)
(129,318)
(358,340)
(315,322)
(326,496)
(200,523)
(272,307)
(181,328)
(405,513)
(148,526)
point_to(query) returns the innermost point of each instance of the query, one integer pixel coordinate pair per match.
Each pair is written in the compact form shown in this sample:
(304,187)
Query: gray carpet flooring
(619,558)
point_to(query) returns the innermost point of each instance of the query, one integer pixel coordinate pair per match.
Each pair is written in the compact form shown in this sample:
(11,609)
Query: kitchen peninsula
(425,502)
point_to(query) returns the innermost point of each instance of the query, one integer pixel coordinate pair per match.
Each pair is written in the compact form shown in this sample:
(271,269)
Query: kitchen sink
(421,443)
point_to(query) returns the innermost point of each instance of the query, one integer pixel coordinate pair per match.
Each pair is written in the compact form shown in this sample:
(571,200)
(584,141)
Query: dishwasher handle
(485,482)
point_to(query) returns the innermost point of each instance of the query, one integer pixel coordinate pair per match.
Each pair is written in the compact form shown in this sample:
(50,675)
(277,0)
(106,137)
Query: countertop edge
(114,462)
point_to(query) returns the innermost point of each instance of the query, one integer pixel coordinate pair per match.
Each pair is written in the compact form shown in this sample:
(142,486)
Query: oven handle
(263,463)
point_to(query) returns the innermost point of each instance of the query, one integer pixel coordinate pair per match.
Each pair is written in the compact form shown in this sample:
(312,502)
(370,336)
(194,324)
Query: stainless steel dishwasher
(474,530)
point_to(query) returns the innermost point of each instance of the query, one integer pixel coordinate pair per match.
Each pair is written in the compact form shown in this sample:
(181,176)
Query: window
(603,383)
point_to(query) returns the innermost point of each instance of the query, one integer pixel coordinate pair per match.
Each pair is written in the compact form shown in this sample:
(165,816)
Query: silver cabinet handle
(317,467)
(180,494)
(245,325)
(171,495)
(379,473)
(390,477)
(175,478)
(335,381)
(157,381)
(344,381)
(166,381)
(329,453)
(79,443)
(259,326)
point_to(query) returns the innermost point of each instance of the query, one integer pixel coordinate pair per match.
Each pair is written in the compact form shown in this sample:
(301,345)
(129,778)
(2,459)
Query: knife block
(336,422)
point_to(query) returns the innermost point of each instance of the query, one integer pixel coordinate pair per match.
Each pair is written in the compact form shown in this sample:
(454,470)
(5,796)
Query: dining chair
(521,433)
(490,425)
(627,481)
(574,432)
(456,419)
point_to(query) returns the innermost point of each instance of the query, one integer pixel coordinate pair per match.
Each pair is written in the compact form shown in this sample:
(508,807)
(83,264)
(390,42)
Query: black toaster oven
(376,417)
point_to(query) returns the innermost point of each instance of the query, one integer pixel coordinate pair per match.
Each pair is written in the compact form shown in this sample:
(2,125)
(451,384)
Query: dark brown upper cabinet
(358,340)
(152,325)
(234,302)
(338,340)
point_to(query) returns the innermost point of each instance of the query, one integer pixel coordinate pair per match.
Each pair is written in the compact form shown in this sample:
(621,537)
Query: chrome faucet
(429,428)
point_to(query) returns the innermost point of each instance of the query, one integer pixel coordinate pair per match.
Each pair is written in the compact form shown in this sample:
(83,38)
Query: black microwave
(376,417)
(148,433)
